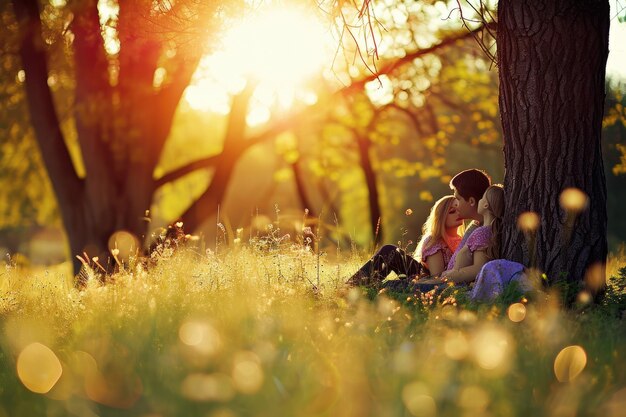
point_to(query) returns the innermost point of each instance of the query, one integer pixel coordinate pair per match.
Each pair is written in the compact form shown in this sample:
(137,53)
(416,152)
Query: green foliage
(614,299)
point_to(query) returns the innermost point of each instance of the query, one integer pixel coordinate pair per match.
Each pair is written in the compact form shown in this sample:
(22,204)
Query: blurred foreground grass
(264,331)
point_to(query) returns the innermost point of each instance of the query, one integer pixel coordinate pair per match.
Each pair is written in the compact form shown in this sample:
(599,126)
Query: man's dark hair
(471,183)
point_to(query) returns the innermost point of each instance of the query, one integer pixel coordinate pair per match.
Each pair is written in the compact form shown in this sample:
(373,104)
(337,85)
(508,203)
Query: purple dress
(495,275)
(479,239)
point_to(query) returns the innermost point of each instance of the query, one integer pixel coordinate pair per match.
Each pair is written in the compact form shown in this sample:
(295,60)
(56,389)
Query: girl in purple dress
(491,274)
(484,244)
(495,275)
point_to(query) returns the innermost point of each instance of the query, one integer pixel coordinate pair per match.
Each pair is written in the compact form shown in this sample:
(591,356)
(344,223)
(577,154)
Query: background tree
(121,118)
(124,90)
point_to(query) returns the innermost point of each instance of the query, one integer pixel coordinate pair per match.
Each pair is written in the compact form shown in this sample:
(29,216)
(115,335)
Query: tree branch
(212,197)
(391,66)
(290,121)
(277,128)
(168,98)
(186,169)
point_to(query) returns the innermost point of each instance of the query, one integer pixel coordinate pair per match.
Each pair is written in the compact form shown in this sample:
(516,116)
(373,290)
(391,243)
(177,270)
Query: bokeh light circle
(418,401)
(569,363)
(528,221)
(573,199)
(38,368)
(516,312)
(200,335)
(473,398)
(125,243)
(208,387)
(595,276)
(491,348)
(247,372)
(456,345)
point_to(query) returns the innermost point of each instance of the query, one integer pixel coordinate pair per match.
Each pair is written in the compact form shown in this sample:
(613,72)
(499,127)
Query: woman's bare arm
(435,263)
(468,273)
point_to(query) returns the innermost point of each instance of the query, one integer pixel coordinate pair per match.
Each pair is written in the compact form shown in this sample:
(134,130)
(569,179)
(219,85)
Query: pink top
(439,246)
(479,239)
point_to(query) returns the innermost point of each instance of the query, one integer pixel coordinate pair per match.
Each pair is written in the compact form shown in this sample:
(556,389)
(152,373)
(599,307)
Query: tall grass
(251,332)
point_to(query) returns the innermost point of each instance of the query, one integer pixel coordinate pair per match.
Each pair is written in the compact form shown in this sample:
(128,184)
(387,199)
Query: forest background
(385,150)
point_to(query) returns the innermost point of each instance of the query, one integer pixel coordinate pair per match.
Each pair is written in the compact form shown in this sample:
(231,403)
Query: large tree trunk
(552,58)
(121,129)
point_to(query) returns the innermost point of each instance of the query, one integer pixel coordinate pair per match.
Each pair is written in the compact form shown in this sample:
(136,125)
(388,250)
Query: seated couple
(442,255)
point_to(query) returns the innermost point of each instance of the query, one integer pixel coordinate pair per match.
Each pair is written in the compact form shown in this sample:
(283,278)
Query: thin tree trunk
(552,58)
(328,200)
(298,178)
(364,145)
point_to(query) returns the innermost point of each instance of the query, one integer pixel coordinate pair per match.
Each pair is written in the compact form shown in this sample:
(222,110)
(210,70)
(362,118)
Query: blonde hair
(495,198)
(435,226)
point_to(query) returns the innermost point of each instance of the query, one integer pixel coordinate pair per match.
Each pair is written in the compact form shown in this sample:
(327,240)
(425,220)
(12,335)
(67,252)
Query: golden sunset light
(329,208)
(280,48)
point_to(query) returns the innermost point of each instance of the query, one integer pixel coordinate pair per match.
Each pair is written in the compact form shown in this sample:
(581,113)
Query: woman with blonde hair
(440,238)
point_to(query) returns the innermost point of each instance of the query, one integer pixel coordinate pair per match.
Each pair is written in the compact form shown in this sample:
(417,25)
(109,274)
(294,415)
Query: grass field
(263,330)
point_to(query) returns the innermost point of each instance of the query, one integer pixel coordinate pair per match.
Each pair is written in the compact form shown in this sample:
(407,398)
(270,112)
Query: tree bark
(68,187)
(552,60)
(121,129)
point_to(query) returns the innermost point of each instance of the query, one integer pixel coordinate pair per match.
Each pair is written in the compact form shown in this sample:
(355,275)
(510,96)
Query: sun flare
(279,48)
